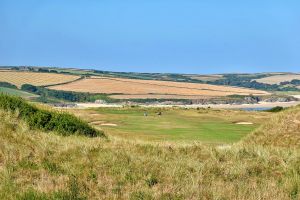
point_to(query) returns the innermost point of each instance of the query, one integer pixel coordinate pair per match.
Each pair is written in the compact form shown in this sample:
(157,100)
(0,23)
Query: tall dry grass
(37,165)
(282,130)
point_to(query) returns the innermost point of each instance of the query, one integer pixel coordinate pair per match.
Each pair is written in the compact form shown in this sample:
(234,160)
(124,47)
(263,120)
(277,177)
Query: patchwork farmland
(277,79)
(124,88)
(34,78)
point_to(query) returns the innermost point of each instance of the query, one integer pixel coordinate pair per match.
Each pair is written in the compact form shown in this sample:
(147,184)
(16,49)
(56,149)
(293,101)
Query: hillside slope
(150,87)
(282,130)
(38,165)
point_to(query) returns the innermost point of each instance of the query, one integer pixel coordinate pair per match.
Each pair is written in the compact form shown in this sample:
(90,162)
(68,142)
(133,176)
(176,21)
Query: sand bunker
(95,114)
(108,124)
(244,123)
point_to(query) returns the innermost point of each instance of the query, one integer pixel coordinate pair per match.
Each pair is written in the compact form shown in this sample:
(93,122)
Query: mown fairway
(210,126)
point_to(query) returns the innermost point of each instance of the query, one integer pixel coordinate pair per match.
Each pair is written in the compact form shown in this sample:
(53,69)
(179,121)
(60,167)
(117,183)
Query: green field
(209,126)
(16,92)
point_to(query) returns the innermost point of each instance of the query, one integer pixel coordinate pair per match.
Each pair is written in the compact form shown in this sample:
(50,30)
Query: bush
(276,109)
(63,123)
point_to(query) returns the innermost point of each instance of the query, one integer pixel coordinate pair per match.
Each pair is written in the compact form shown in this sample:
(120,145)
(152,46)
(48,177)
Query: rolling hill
(146,88)
(56,85)
(277,79)
(19,78)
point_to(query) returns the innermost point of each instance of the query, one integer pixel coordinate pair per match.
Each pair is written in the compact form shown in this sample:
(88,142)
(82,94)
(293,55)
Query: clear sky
(185,36)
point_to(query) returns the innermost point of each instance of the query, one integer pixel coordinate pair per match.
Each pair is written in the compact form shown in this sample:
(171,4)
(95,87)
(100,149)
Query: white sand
(244,123)
(108,124)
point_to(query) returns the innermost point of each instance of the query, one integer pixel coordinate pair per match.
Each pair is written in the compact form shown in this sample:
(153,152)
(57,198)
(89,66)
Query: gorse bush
(63,123)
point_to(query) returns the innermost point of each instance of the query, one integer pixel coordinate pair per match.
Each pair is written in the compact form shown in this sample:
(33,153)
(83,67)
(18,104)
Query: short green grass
(209,126)
(16,92)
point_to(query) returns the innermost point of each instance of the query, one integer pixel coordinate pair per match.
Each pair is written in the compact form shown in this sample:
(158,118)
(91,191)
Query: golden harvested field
(277,79)
(34,78)
(147,88)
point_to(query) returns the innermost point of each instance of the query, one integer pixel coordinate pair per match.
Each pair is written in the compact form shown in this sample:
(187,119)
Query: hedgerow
(7,85)
(66,95)
(36,118)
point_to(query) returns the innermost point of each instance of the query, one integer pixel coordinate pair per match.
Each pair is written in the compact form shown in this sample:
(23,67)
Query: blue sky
(184,36)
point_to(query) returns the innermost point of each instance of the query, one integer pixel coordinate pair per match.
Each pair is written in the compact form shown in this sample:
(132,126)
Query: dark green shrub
(276,109)
(40,120)
(63,123)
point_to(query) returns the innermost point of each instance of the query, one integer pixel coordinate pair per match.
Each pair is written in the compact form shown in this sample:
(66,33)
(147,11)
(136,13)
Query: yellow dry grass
(150,87)
(39,165)
(277,79)
(281,130)
(34,78)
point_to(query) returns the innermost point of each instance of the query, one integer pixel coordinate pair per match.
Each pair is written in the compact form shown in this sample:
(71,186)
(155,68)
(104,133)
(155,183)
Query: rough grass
(35,165)
(282,130)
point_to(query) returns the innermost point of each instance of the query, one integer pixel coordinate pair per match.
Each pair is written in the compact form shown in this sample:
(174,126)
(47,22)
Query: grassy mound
(34,165)
(282,130)
(63,123)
